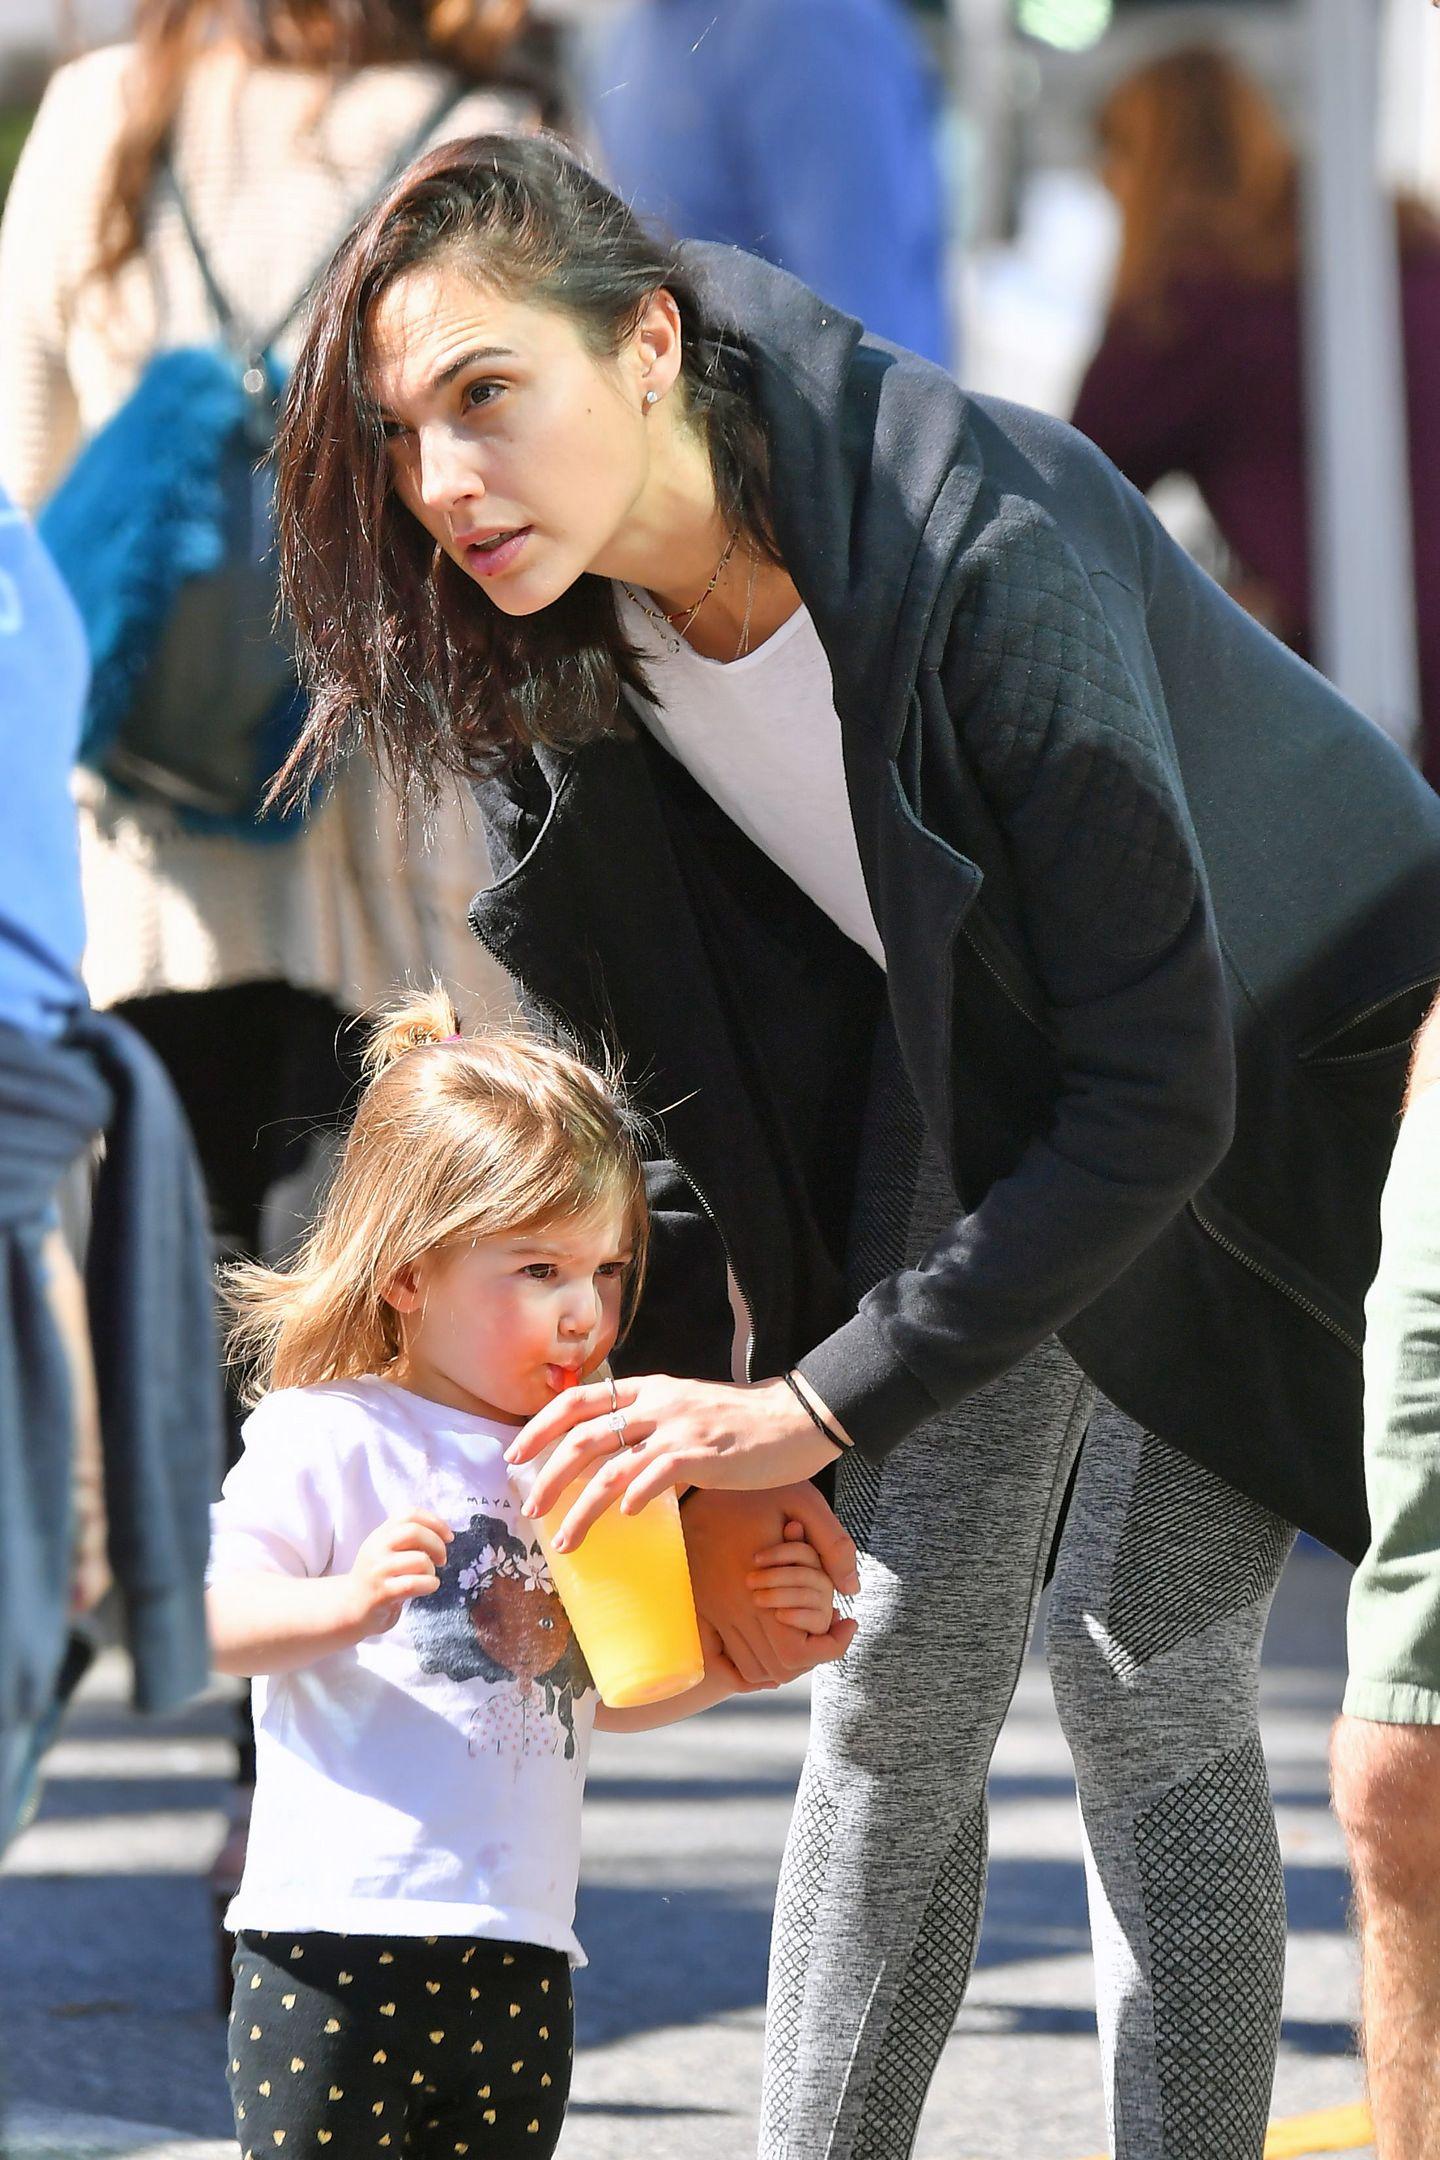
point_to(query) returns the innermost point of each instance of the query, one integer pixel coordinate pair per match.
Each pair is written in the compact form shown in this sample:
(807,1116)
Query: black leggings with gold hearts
(425,2046)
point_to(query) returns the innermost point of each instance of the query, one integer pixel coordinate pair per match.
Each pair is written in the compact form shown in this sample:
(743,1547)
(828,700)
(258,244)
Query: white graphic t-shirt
(427,1781)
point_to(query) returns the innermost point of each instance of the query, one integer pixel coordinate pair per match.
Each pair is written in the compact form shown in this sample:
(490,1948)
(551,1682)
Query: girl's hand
(723,1533)
(789,1582)
(400,1560)
(675,1433)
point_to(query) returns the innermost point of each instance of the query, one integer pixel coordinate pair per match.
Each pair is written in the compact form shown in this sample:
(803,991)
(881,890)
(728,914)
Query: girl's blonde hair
(456,1137)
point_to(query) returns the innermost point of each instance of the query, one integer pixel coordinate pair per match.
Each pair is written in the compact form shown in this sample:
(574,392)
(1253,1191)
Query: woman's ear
(658,347)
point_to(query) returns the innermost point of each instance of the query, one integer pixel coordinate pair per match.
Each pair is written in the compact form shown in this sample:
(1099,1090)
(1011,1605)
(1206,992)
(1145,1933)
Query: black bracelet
(822,1425)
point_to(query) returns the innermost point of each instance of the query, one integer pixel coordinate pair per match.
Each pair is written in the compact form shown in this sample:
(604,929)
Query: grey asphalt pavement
(113,2045)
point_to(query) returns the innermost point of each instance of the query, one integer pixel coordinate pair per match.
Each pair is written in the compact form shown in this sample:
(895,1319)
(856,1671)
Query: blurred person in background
(1200,367)
(120,1370)
(240,962)
(801,130)
(1386,1750)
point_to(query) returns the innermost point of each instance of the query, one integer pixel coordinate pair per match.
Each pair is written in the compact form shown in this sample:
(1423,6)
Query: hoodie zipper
(1315,1055)
(558,1021)
(1276,1282)
(1008,992)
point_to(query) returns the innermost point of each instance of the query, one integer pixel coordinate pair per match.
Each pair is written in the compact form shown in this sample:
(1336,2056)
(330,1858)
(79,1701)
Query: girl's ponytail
(414,1023)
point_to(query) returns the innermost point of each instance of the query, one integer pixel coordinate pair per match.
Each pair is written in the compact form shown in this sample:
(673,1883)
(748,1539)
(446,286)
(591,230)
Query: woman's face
(522,453)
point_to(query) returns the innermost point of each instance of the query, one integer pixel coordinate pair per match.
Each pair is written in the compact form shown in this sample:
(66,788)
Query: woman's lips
(489,558)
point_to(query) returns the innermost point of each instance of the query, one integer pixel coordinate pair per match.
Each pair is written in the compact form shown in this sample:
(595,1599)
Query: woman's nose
(448,475)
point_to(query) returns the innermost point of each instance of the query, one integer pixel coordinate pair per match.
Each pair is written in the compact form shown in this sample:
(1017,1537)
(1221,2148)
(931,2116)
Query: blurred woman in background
(239,961)
(1200,370)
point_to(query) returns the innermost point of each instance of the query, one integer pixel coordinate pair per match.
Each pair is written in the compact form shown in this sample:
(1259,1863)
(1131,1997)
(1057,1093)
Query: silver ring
(614,1398)
(617,1424)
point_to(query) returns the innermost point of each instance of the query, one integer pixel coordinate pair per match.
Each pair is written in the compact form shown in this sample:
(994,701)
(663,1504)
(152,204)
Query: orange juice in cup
(627,1592)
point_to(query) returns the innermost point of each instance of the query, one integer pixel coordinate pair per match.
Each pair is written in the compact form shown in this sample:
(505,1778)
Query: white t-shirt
(762,737)
(427,1781)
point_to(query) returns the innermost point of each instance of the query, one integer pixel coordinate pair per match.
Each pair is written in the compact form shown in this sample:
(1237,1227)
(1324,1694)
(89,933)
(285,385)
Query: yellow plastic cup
(627,1592)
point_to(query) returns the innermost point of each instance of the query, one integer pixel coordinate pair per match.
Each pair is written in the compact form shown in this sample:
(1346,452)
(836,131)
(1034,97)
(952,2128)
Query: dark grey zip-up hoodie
(1160,913)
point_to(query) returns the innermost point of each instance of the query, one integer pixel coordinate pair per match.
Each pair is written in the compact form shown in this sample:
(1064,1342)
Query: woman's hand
(635,1438)
(725,1535)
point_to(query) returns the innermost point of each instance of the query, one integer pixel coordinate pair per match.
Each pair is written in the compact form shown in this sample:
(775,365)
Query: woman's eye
(478,394)
(393,430)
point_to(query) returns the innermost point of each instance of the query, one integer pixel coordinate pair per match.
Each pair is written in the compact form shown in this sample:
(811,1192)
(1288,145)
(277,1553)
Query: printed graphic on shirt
(496,1618)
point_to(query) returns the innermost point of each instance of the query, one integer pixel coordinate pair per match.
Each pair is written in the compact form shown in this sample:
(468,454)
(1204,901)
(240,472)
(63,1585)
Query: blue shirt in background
(800,130)
(44,674)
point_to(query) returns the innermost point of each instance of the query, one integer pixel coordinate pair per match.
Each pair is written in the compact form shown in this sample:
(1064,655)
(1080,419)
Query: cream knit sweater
(273,170)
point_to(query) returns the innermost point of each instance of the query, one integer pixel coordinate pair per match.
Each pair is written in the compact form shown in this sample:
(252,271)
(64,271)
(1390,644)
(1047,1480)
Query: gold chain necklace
(674,628)
(675,631)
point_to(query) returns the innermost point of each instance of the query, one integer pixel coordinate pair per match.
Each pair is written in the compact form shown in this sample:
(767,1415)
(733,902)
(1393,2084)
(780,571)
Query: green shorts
(1394,1621)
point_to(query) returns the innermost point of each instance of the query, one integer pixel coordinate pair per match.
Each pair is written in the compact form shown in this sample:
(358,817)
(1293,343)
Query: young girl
(422,1711)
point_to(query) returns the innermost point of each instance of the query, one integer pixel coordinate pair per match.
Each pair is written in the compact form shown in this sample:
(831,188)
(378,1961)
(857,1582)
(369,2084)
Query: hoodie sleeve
(1071,759)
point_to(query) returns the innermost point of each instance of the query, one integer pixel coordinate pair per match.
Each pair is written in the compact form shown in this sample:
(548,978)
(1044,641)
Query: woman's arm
(1074,766)
(264,1622)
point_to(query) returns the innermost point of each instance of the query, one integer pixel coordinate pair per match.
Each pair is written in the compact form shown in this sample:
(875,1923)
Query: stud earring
(652,397)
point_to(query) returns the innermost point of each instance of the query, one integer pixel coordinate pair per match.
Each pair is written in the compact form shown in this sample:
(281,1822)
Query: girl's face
(500,1326)
(522,453)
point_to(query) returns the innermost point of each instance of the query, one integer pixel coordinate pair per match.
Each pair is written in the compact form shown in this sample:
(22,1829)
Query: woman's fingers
(827,1648)
(582,1448)
(615,1481)
(563,1415)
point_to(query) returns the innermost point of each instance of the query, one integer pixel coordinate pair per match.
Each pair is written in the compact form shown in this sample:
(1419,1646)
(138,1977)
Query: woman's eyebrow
(457,367)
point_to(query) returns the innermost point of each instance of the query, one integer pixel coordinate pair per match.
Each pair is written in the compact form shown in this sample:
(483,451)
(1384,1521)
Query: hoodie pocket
(1382,1028)
(1269,1264)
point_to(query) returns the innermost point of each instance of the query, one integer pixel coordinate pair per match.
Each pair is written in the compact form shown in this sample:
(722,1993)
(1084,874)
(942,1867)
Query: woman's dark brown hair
(471,37)
(1205,176)
(401,651)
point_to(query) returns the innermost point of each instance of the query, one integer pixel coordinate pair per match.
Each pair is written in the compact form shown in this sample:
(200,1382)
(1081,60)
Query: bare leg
(1387,1795)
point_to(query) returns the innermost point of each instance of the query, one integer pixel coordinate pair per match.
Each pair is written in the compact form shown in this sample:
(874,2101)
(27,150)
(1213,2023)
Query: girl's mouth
(487,558)
(560,1377)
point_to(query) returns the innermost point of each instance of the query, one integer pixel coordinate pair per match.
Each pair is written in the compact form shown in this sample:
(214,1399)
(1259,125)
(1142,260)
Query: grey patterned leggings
(1162,1592)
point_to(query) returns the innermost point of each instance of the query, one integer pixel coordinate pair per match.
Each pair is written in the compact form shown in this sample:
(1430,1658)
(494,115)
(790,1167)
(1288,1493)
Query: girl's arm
(790,1581)
(262,1622)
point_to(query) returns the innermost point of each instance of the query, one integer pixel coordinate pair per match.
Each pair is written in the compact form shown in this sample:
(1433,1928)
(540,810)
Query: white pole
(980,43)
(1362,573)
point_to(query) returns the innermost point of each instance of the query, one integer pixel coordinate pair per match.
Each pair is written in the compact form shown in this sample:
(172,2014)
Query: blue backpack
(163,529)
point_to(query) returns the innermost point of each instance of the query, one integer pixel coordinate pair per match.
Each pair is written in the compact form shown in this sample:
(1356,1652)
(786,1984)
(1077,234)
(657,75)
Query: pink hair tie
(452,1038)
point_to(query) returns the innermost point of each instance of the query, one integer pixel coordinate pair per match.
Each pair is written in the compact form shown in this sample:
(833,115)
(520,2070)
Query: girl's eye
(612,1268)
(538,1271)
